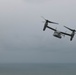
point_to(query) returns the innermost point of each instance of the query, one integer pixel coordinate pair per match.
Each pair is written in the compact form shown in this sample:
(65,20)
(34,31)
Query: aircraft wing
(65,33)
(51,28)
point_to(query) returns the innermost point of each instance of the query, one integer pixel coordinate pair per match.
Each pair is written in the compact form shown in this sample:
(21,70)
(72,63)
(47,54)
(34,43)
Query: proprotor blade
(52,22)
(49,21)
(68,28)
(43,17)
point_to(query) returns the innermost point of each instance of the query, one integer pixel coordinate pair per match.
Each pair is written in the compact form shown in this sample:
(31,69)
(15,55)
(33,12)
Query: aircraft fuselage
(57,34)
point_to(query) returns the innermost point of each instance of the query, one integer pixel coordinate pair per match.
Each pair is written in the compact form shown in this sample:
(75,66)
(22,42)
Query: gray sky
(22,39)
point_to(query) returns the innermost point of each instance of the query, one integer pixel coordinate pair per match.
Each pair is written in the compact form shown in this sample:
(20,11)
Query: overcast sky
(22,39)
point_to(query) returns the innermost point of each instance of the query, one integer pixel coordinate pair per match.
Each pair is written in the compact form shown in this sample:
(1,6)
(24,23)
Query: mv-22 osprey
(58,33)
